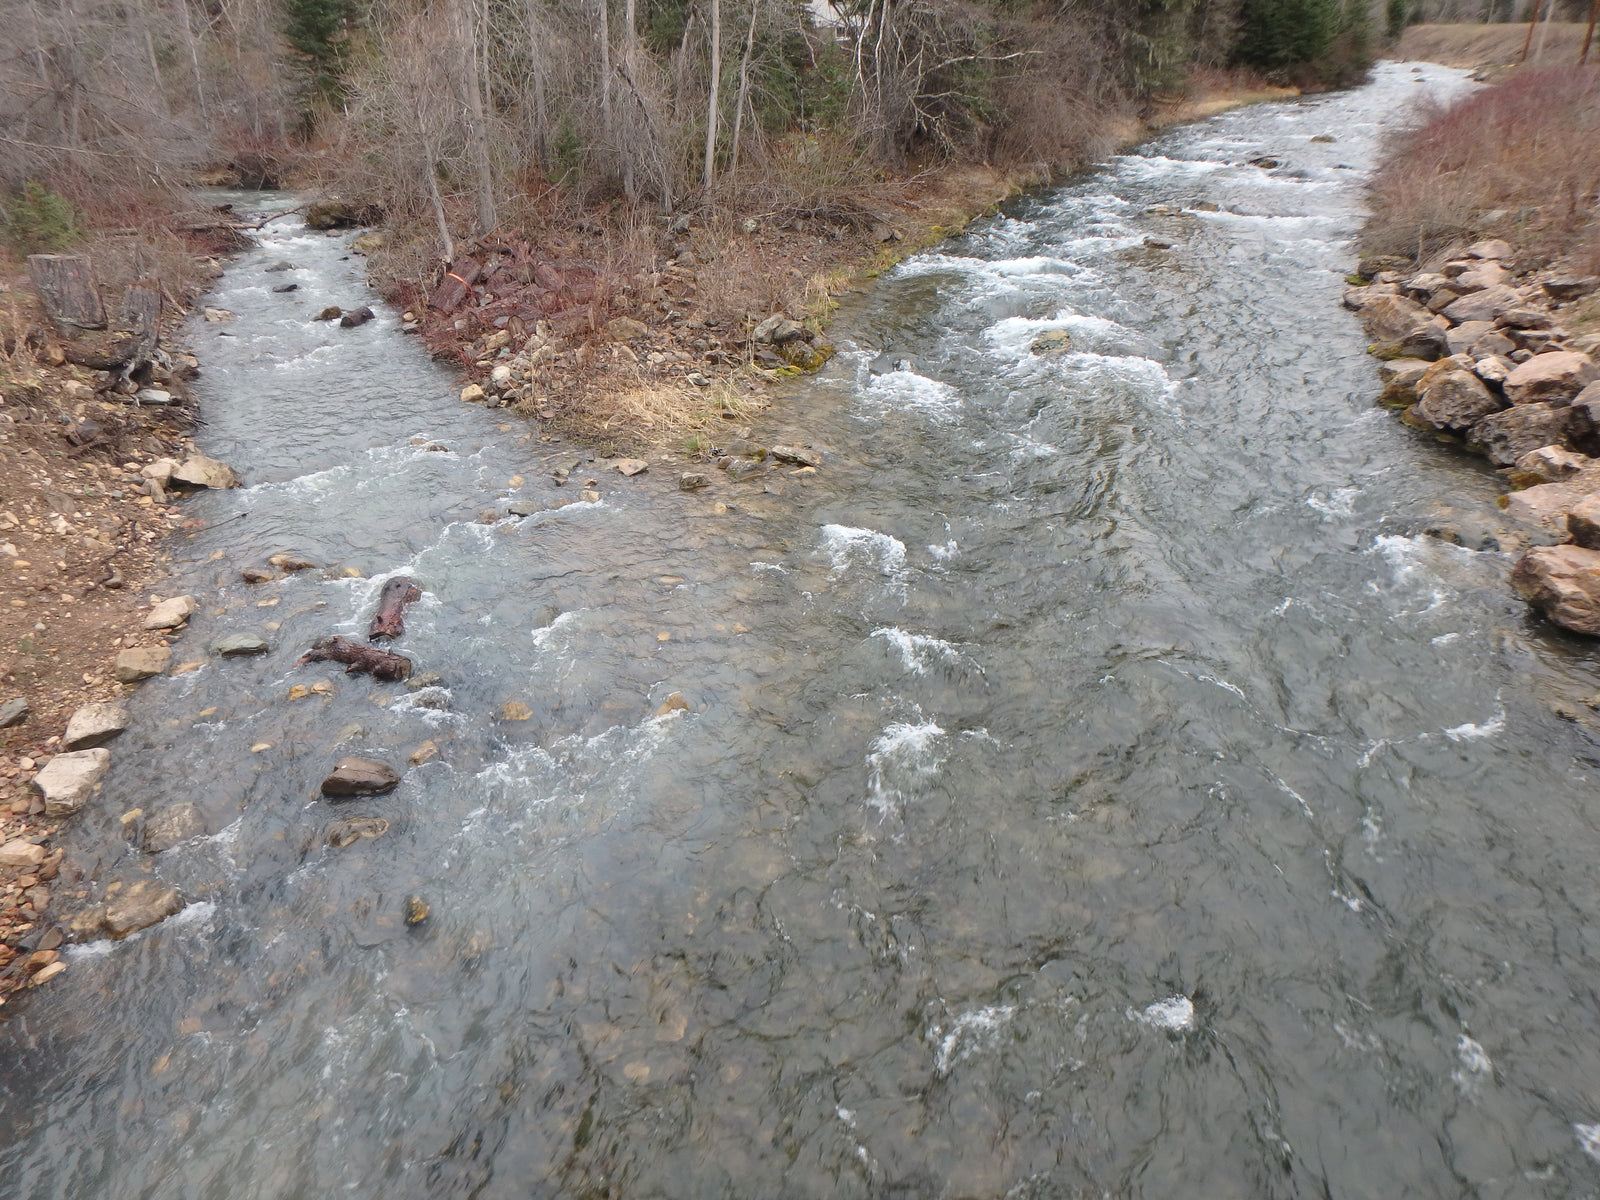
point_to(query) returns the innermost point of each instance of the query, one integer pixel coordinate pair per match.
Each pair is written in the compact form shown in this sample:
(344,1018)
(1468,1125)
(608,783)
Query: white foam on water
(902,756)
(847,545)
(1475,1066)
(972,1031)
(1340,502)
(1175,1014)
(562,624)
(945,552)
(766,566)
(1588,1139)
(918,651)
(1018,334)
(1468,731)
(906,390)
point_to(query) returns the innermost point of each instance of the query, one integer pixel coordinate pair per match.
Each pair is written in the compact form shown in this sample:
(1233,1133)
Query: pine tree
(317,29)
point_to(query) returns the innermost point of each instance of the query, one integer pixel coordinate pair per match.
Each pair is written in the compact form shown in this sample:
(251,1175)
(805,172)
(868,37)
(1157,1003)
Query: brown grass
(1491,47)
(1520,160)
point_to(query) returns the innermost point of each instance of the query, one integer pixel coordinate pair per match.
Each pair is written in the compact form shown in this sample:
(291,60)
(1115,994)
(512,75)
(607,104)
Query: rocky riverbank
(1492,351)
(95,467)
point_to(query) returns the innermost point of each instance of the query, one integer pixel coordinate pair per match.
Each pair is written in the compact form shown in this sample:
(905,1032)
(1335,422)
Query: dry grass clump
(1520,160)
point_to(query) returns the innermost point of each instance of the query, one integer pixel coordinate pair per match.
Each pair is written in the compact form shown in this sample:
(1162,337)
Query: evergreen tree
(317,30)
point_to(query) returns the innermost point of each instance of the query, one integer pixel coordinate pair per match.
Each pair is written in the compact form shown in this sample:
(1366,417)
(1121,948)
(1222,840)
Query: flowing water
(1092,785)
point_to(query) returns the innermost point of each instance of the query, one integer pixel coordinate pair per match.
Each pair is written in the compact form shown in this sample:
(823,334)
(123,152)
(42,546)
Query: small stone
(238,645)
(48,973)
(218,315)
(95,725)
(1052,342)
(356,317)
(800,455)
(332,313)
(141,662)
(347,833)
(156,396)
(632,466)
(425,680)
(625,329)
(1489,248)
(291,562)
(692,481)
(67,780)
(515,710)
(21,854)
(471,393)
(416,911)
(424,752)
(170,614)
(360,777)
(144,904)
(286,287)
(589,496)
(673,703)
(13,712)
(171,825)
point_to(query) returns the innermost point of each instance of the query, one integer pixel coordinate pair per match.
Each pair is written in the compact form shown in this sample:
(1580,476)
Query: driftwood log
(380,664)
(390,619)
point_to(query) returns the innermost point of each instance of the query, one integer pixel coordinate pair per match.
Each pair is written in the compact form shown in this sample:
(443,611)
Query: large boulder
(1506,436)
(1484,305)
(199,471)
(95,725)
(360,777)
(331,214)
(1545,506)
(1451,397)
(67,780)
(1390,318)
(142,905)
(1563,582)
(1558,377)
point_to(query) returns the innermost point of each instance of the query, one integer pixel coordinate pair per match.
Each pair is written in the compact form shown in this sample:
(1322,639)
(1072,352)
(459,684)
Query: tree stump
(66,284)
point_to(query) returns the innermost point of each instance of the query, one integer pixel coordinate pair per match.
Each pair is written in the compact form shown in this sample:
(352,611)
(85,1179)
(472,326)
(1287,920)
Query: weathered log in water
(390,619)
(380,664)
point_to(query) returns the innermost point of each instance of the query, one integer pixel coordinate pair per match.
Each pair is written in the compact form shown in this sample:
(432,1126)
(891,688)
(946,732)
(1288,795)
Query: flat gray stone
(13,712)
(200,471)
(67,780)
(238,645)
(95,725)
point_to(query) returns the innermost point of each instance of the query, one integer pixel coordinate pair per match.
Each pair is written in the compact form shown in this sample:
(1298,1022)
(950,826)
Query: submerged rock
(347,833)
(171,825)
(239,645)
(143,904)
(360,777)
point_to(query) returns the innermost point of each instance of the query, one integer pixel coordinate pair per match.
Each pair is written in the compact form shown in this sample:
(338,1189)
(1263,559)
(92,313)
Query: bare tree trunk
(430,168)
(607,125)
(194,59)
(744,87)
(537,36)
(630,43)
(716,82)
(477,132)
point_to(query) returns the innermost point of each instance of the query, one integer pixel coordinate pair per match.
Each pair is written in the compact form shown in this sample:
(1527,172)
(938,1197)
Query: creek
(1093,783)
